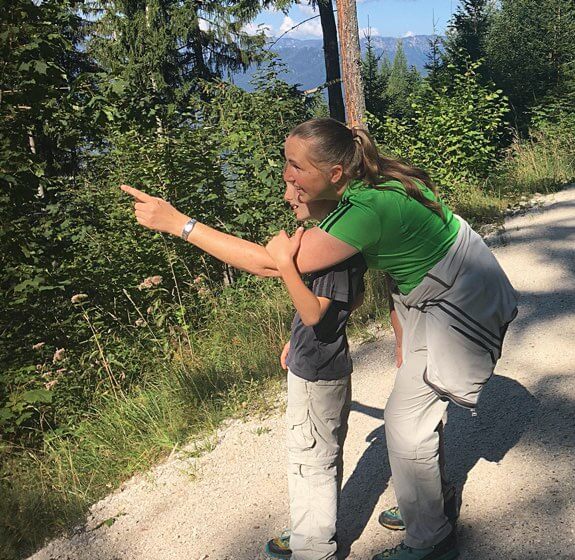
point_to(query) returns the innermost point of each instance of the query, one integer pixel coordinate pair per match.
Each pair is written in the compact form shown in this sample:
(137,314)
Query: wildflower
(38,345)
(78,298)
(147,283)
(150,310)
(58,355)
(150,282)
(50,384)
(140,322)
(198,280)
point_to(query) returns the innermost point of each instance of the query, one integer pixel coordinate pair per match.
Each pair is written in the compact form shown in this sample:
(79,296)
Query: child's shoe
(279,547)
(391,518)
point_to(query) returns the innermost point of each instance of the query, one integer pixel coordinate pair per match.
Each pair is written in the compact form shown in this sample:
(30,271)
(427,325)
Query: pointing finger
(138,195)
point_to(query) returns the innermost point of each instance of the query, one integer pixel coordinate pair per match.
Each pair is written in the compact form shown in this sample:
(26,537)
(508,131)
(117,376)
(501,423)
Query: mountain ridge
(304,60)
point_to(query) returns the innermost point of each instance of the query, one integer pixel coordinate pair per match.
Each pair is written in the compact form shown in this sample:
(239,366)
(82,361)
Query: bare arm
(358,301)
(318,249)
(395,323)
(157,214)
(310,307)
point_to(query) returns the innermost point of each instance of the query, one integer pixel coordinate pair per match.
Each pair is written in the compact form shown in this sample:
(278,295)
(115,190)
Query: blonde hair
(333,143)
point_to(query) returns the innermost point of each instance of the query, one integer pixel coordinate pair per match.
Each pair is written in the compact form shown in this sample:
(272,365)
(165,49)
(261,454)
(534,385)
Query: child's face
(314,209)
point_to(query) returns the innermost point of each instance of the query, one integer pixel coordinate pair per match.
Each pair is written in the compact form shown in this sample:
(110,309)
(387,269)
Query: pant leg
(413,415)
(316,426)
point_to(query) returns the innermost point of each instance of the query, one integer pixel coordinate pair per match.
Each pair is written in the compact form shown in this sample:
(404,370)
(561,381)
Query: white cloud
(365,31)
(307,9)
(203,24)
(409,34)
(308,29)
(256,29)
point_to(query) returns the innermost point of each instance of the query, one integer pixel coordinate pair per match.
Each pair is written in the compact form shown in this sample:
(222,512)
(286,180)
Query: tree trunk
(331,55)
(351,62)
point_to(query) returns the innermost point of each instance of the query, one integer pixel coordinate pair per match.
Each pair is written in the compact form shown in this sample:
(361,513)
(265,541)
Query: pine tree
(374,81)
(467,33)
(434,65)
(160,48)
(401,84)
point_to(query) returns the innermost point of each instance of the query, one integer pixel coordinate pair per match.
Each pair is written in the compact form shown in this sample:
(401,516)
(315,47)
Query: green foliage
(403,82)
(531,51)
(252,150)
(467,34)
(388,87)
(375,76)
(453,133)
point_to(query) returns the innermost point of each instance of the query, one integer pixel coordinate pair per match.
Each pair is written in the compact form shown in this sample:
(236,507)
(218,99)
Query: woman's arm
(398,330)
(158,214)
(311,308)
(318,250)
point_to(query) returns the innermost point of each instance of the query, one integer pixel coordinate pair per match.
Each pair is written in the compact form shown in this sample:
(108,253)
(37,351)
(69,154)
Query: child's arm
(310,307)
(358,301)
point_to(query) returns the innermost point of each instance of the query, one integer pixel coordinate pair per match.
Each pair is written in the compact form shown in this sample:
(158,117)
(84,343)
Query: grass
(228,368)
(541,163)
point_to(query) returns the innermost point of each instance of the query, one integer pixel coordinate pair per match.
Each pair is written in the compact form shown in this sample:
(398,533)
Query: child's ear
(336,174)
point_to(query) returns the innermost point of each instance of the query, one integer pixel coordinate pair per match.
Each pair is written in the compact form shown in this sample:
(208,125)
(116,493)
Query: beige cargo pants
(317,415)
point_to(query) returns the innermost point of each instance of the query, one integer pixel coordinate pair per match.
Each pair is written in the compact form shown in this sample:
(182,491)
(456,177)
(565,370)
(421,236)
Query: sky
(388,18)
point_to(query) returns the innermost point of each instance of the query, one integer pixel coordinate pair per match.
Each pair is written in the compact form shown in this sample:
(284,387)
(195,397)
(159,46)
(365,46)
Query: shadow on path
(505,412)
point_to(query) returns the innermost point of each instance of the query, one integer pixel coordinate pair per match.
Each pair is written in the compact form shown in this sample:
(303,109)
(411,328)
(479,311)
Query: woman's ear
(336,174)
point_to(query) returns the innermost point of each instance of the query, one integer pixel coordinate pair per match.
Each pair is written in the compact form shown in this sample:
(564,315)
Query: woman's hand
(283,356)
(398,354)
(155,213)
(283,248)
(398,331)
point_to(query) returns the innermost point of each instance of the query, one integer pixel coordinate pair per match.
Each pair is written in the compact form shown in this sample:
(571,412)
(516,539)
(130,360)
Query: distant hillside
(305,63)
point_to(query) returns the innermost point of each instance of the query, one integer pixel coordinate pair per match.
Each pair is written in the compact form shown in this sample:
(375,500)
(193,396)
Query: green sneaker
(445,550)
(391,518)
(279,547)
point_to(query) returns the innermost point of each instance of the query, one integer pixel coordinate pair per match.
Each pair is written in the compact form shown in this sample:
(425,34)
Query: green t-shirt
(393,231)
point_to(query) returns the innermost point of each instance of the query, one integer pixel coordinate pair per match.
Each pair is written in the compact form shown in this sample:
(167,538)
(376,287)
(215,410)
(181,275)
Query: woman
(453,301)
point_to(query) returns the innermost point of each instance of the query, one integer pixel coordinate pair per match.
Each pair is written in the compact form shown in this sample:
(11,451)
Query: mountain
(305,63)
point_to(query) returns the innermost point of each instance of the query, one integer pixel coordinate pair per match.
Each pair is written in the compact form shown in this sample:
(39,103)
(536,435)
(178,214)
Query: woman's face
(314,209)
(309,181)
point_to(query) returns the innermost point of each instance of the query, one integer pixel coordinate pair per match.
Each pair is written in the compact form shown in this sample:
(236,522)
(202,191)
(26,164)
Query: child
(319,391)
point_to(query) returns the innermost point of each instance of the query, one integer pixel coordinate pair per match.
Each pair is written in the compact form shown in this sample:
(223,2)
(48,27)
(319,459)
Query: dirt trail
(516,460)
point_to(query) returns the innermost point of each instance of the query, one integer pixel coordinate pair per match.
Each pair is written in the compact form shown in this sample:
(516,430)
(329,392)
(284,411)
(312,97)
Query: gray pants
(453,324)
(317,415)
(413,429)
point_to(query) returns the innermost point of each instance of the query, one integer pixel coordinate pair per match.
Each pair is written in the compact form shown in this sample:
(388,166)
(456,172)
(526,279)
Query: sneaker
(391,518)
(279,547)
(445,550)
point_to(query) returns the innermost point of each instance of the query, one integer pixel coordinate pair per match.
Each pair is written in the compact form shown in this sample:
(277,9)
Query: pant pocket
(299,429)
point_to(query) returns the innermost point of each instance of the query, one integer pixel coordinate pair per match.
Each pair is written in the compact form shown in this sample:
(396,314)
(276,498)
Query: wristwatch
(188,227)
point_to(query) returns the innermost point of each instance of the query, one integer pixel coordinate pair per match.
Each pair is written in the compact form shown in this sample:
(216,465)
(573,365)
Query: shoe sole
(393,527)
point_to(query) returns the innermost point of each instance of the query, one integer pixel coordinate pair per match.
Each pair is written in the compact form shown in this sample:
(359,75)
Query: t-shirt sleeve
(333,285)
(355,225)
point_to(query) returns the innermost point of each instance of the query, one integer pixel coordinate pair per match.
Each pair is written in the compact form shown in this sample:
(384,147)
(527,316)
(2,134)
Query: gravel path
(516,460)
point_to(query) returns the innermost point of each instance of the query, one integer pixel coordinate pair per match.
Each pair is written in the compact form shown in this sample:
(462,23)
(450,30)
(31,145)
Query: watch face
(188,228)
